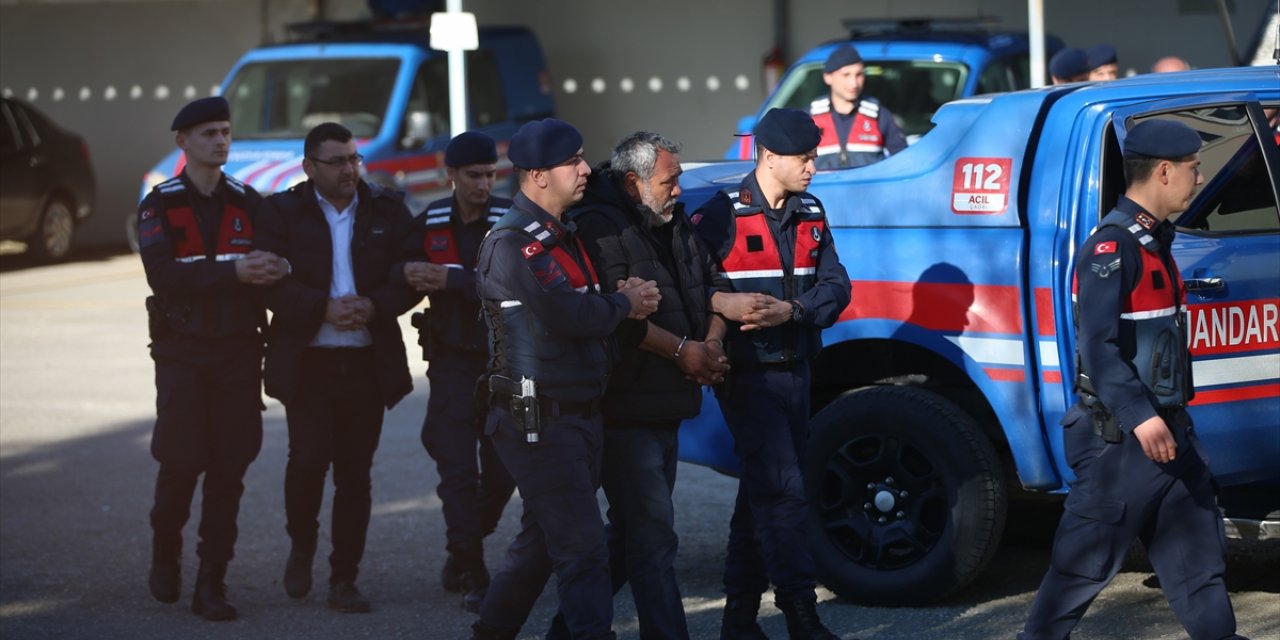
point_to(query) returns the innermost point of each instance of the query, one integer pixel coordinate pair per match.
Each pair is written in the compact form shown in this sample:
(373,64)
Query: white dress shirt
(341,226)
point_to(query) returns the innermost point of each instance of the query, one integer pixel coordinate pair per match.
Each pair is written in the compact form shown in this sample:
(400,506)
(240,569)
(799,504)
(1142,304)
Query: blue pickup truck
(939,391)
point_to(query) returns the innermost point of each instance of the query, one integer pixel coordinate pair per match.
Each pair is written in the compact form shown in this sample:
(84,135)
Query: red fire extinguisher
(771,69)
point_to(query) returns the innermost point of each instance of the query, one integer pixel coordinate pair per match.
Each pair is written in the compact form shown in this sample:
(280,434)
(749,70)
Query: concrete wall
(715,46)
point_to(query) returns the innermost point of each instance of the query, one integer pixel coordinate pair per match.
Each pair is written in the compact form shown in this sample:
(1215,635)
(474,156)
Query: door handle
(1205,287)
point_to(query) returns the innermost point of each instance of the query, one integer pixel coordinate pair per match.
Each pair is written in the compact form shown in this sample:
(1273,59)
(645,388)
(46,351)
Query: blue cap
(1165,139)
(843,56)
(1100,54)
(544,143)
(1069,63)
(470,147)
(788,132)
(214,109)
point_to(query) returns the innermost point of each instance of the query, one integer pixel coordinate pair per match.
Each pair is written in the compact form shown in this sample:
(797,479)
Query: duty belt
(502,389)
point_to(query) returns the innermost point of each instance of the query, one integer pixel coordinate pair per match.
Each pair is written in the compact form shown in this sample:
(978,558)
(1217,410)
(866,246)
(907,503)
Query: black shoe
(451,574)
(480,632)
(802,620)
(739,621)
(165,580)
(344,597)
(297,572)
(210,598)
(475,584)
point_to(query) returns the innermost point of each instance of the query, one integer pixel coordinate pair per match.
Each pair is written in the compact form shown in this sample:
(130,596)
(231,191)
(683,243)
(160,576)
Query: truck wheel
(52,239)
(906,497)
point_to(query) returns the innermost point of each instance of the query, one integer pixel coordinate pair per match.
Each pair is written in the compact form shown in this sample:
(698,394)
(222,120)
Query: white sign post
(454,31)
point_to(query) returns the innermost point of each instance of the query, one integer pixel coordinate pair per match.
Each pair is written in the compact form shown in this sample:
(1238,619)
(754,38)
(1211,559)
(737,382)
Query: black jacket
(291,225)
(646,388)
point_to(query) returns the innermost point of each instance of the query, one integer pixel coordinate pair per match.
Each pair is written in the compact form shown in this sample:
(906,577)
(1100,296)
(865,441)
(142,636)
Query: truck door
(1228,250)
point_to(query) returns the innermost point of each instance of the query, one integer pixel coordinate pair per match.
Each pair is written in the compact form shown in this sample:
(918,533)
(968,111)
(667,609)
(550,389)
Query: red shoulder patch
(532,249)
(1104,247)
(1145,220)
(744,196)
(696,218)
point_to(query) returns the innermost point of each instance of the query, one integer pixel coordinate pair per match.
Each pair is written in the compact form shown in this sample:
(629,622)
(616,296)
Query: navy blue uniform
(208,355)
(547,322)
(472,493)
(1129,295)
(789,254)
(866,135)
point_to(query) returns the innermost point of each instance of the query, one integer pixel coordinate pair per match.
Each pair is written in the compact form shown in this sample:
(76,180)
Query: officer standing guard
(1140,473)
(781,282)
(549,357)
(856,129)
(195,236)
(1103,64)
(472,494)
(1069,65)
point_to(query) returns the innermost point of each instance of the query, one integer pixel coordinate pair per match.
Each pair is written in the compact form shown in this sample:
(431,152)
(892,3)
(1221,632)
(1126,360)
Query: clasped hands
(261,267)
(349,312)
(642,294)
(753,310)
(425,276)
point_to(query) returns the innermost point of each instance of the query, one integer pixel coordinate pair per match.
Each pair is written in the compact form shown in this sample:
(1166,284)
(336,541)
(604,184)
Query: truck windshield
(911,89)
(287,98)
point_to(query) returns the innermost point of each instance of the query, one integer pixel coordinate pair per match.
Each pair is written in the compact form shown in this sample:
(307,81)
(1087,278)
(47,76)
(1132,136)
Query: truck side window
(427,114)
(1237,195)
(488,105)
(9,139)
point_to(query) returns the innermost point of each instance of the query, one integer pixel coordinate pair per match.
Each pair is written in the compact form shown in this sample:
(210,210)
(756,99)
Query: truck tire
(906,496)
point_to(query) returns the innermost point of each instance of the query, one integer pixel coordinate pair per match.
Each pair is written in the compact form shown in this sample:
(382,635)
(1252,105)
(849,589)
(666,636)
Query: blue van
(389,87)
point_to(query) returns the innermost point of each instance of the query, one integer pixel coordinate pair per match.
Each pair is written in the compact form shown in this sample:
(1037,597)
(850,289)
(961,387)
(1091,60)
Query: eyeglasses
(355,161)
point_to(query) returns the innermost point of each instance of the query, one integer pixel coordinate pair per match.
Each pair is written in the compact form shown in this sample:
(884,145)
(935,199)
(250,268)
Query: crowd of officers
(568,334)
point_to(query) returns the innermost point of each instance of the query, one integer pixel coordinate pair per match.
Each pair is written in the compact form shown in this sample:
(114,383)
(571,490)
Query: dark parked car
(46,181)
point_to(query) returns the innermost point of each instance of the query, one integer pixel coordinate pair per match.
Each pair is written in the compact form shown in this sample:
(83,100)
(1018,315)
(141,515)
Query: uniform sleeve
(166,276)
(509,277)
(391,298)
(412,251)
(713,225)
(463,281)
(603,242)
(894,140)
(830,295)
(1108,269)
(288,299)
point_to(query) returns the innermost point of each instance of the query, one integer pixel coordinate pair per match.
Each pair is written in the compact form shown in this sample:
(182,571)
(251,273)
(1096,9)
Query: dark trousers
(560,528)
(208,421)
(767,409)
(473,491)
(1121,495)
(335,418)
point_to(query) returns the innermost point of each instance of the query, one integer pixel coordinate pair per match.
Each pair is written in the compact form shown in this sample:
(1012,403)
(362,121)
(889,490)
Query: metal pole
(1035,33)
(457,81)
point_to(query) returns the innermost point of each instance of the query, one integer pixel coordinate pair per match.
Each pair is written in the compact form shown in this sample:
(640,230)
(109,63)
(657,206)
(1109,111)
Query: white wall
(46,44)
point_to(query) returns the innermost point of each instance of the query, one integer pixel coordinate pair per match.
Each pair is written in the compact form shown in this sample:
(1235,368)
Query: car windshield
(911,89)
(287,98)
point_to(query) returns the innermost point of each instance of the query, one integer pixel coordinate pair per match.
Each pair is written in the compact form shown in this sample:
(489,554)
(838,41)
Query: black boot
(297,571)
(802,620)
(475,584)
(480,632)
(165,580)
(210,599)
(740,619)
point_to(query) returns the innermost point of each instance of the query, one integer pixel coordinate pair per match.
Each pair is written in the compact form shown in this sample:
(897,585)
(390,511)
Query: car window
(430,94)
(30,136)
(9,139)
(488,104)
(911,89)
(287,98)
(997,77)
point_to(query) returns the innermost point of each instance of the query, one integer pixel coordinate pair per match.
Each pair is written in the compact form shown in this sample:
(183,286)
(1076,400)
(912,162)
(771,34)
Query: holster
(157,322)
(523,405)
(1105,425)
(421,320)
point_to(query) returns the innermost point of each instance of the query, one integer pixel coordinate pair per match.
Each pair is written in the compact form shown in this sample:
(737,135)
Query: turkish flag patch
(147,214)
(532,249)
(1104,247)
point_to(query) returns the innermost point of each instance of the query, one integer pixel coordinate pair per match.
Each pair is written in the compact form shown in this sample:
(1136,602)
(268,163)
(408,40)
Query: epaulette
(869,108)
(234,183)
(820,106)
(742,203)
(437,216)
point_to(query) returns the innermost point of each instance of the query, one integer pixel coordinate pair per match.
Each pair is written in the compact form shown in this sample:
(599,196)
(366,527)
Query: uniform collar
(561,228)
(1161,231)
(750,188)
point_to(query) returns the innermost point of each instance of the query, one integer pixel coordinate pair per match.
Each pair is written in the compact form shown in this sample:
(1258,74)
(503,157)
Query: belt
(549,408)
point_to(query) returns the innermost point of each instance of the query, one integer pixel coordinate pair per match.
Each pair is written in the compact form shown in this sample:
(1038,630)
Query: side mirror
(417,130)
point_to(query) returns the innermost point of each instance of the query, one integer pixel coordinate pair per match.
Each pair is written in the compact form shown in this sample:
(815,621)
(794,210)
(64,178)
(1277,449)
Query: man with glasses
(772,243)
(335,356)
(550,348)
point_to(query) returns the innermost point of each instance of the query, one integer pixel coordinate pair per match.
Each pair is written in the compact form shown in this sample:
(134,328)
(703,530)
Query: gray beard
(653,218)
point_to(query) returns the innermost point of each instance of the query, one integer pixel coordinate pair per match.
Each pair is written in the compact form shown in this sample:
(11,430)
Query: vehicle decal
(981,185)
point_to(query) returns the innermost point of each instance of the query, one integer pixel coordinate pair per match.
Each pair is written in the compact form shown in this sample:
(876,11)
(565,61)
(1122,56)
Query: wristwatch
(797,311)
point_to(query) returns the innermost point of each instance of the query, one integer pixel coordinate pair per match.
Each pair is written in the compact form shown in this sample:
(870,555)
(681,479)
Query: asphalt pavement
(76,477)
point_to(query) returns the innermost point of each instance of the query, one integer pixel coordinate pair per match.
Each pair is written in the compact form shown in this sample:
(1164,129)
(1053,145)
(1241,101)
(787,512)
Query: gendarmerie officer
(856,129)
(549,356)
(780,283)
(1140,473)
(445,243)
(196,238)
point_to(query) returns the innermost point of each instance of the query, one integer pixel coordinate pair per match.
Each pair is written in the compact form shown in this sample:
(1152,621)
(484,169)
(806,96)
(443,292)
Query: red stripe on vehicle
(1237,394)
(938,306)
(1232,327)
(1005,375)
(1053,377)
(1044,312)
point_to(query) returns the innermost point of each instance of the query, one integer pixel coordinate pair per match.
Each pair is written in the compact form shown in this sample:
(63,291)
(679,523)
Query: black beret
(1100,54)
(789,132)
(1069,63)
(470,147)
(1165,139)
(843,56)
(543,143)
(214,109)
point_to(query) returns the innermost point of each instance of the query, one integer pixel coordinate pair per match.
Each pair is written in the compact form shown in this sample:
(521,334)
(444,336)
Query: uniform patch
(745,196)
(146,214)
(817,234)
(547,272)
(755,243)
(440,243)
(1104,247)
(150,232)
(1157,280)
(1145,220)
(696,218)
(1105,270)
(532,249)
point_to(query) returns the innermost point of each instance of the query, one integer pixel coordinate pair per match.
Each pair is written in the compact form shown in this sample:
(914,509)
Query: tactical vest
(865,144)
(455,320)
(568,369)
(235,233)
(1154,314)
(755,265)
